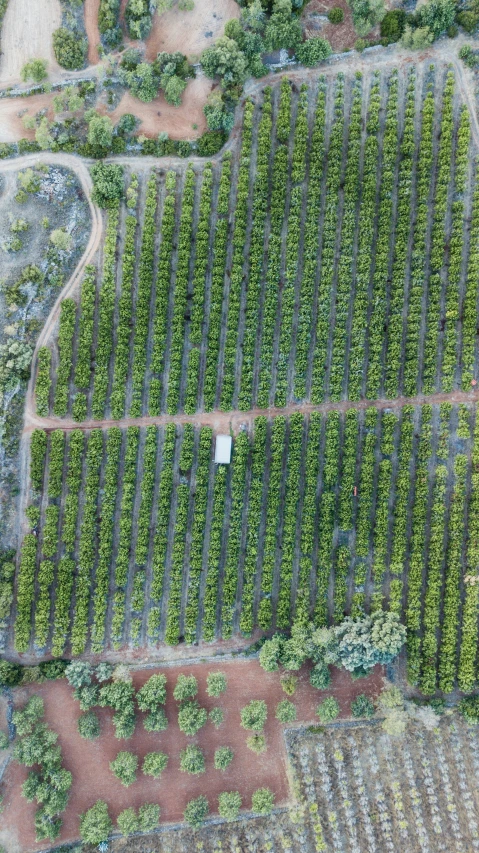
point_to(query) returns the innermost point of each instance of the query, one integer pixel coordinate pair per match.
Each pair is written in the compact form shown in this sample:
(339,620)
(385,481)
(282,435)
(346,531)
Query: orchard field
(330,260)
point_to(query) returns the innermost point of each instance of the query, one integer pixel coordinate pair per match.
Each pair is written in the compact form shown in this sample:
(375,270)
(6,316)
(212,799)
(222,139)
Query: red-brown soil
(190,32)
(158,116)
(11,125)
(89,761)
(93,33)
(340,36)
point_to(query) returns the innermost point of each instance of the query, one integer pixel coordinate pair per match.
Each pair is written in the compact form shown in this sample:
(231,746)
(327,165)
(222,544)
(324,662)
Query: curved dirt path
(226,421)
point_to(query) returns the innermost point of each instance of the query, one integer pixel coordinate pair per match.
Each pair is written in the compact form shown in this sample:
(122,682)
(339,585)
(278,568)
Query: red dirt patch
(158,116)
(89,762)
(340,36)
(190,32)
(93,33)
(11,125)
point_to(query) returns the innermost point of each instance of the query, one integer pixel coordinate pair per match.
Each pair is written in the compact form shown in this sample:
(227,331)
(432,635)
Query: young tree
(95,824)
(192,760)
(191,718)
(362,707)
(269,654)
(79,673)
(257,743)
(253,715)
(196,812)
(328,710)
(262,801)
(285,711)
(217,716)
(127,822)
(153,693)
(223,757)
(288,684)
(124,766)
(216,683)
(229,804)
(417,39)
(154,763)
(148,817)
(89,725)
(320,676)
(186,687)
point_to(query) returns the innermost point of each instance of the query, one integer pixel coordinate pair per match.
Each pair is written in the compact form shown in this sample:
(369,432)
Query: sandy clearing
(27,34)
(92,31)
(190,32)
(340,36)
(11,125)
(89,761)
(158,116)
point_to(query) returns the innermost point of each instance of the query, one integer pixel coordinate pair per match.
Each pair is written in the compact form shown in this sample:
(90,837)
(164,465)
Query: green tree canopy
(95,824)
(253,715)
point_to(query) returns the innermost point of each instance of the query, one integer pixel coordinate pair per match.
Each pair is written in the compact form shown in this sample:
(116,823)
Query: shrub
(52,669)
(154,763)
(469,708)
(192,760)
(313,51)
(35,70)
(285,711)
(107,184)
(336,15)
(468,56)
(79,673)
(362,706)
(69,49)
(210,143)
(216,716)
(148,817)
(156,721)
(229,804)
(392,25)
(328,710)
(257,744)
(196,812)
(320,676)
(186,687)
(468,21)
(4,742)
(262,801)
(95,824)
(288,684)
(152,694)
(89,725)
(223,757)
(253,716)
(191,718)
(10,674)
(216,683)
(124,766)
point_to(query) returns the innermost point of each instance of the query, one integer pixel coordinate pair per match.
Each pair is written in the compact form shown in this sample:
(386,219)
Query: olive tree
(124,766)
(223,757)
(95,824)
(262,801)
(216,683)
(154,763)
(253,715)
(196,812)
(229,804)
(192,760)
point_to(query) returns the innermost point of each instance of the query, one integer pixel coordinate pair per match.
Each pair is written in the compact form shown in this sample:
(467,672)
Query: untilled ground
(190,32)
(89,761)
(27,34)
(91,8)
(341,36)
(160,117)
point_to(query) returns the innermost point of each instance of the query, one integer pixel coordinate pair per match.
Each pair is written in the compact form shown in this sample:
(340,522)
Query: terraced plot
(333,257)
(140,536)
(370,791)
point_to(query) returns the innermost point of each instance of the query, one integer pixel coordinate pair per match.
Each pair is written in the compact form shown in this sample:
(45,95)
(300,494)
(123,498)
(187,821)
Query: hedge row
(213,320)
(273,510)
(68,312)
(163,278)
(258,457)
(290,519)
(261,191)
(180,295)
(106,307)
(468,646)
(198,534)
(277,214)
(327,503)
(87,544)
(105,537)
(125,321)
(43,383)
(233,547)
(122,562)
(143,298)
(210,602)
(308,522)
(85,329)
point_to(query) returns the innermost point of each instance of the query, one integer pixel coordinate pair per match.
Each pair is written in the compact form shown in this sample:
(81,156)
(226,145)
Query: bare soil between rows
(89,761)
